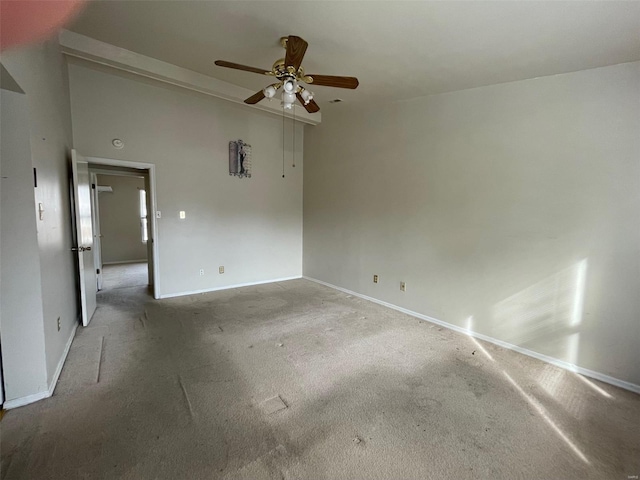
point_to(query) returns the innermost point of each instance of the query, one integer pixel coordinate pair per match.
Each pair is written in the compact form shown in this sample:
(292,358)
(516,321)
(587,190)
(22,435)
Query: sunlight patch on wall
(573,343)
(549,311)
(578,296)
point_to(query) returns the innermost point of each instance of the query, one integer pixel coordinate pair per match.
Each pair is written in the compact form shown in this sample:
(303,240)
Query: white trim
(142,260)
(151,215)
(545,358)
(26,400)
(56,375)
(228,287)
(80,46)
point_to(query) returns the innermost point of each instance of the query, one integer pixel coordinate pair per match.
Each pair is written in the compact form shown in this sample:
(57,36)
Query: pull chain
(283,141)
(294,137)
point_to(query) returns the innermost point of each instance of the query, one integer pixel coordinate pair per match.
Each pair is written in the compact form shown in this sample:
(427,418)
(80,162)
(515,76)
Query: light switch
(158,214)
(41,211)
(183,215)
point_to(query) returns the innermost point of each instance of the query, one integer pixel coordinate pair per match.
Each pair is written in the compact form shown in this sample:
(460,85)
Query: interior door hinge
(35,177)
(98,271)
(93,186)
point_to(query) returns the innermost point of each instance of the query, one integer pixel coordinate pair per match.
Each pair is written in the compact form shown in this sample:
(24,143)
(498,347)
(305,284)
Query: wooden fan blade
(255,98)
(237,66)
(296,48)
(331,81)
(311,107)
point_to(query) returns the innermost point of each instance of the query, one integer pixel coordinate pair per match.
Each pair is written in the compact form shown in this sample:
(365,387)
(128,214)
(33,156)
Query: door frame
(151,215)
(97,237)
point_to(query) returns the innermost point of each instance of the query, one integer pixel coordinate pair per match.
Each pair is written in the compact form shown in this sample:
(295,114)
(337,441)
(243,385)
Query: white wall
(253,227)
(40,71)
(21,321)
(120,219)
(510,209)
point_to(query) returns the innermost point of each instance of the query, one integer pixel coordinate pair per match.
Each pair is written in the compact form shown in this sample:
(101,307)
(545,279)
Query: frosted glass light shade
(306,95)
(289,86)
(288,97)
(270,91)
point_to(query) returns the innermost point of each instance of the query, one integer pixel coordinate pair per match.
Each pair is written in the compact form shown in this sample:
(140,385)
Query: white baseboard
(142,260)
(56,375)
(228,287)
(545,358)
(26,400)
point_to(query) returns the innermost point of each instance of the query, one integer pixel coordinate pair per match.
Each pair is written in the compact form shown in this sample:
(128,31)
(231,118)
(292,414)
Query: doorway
(121,226)
(123,223)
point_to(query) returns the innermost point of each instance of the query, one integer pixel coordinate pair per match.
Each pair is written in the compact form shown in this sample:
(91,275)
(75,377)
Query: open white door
(84,235)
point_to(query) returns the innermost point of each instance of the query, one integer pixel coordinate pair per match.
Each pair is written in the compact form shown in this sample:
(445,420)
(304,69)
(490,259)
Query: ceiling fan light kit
(290,74)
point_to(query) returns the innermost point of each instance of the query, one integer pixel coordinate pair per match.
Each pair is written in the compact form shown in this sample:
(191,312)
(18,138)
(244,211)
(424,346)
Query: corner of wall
(41,72)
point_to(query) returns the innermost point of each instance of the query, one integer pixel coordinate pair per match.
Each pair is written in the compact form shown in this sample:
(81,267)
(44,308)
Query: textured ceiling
(398,50)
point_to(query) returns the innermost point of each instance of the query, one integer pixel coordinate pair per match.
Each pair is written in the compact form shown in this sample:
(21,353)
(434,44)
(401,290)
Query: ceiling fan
(290,75)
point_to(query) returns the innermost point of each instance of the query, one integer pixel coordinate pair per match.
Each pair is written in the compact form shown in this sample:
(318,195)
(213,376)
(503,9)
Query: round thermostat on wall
(116,142)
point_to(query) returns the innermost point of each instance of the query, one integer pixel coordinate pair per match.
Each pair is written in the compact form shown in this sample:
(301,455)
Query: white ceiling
(398,50)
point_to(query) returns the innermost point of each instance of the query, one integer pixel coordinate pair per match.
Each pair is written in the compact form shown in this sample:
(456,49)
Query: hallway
(298,381)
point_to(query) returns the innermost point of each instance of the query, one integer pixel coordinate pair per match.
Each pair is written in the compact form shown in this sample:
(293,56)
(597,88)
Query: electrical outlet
(58,323)
(403,287)
(183,214)
(221,269)
(202,271)
(375,279)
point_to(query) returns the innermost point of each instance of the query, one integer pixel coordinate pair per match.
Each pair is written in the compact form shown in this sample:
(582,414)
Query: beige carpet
(294,380)
(124,275)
